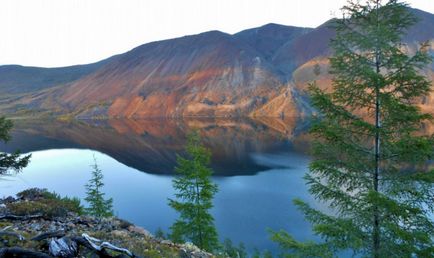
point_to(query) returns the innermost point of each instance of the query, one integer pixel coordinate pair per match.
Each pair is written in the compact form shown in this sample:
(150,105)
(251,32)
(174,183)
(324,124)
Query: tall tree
(99,206)
(194,194)
(12,161)
(370,159)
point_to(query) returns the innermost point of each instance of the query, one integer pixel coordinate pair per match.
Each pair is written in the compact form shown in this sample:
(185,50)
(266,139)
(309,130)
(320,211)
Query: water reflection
(151,145)
(260,166)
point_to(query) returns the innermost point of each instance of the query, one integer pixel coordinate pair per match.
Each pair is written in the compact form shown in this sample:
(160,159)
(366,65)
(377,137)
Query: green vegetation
(229,250)
(159,233)
(264,254)
(41,202)
(12,161)
(369,158)
(98,205)
(62,215)
(194,195)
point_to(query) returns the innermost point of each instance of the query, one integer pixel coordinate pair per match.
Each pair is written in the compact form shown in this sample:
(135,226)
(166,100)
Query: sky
(54,33)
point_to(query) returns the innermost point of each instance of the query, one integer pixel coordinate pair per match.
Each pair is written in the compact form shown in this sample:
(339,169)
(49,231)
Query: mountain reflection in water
(151,145)
(259,166)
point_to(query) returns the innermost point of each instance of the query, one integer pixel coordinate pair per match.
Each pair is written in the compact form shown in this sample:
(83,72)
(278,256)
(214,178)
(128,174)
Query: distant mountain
(269,38)
(257,72)
(308,46)
(16,79)
(316,52)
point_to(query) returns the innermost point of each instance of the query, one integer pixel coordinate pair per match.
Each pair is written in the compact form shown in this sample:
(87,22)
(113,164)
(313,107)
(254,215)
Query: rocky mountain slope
(259,72)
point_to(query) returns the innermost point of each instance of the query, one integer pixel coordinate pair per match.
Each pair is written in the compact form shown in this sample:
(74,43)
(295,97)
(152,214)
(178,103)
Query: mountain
(258,72)
(210,74)
(268,39)
(16,79)
(308,46)
(422,31)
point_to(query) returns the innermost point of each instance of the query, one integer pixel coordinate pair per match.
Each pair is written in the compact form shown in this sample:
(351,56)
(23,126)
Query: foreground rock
(40,224)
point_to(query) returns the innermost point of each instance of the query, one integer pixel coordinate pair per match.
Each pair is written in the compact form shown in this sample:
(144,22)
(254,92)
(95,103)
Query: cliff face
(257,72)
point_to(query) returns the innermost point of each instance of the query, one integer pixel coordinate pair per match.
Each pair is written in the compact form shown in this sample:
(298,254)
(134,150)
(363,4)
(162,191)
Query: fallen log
(106,245)
(13,234)
(17,217)
(53,234)
(90,243)
(5,232)
(21,252)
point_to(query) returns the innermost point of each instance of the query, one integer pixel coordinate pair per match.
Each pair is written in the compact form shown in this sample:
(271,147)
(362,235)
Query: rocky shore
(37,223)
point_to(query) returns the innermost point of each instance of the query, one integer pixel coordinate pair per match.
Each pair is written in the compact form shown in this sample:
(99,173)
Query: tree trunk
(376,227)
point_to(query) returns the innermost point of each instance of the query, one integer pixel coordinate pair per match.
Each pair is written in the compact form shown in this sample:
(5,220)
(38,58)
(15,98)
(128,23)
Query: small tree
(194,195)
(12,161)
(98,205)
(381,194)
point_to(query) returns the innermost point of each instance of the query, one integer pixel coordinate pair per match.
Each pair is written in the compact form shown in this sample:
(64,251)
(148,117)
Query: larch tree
(370,155)
(13,161)
(194,195)
(99,206)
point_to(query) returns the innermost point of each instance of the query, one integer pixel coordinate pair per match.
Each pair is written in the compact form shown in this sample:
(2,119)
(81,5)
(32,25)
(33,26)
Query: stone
(35,226)
(63,247)
(191,247)
(139,230)
(166,242)
(120,233)
(8,199)
(183,253)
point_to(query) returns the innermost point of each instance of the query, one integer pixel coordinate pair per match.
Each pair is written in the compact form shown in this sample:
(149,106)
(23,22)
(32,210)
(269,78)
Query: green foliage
(369,158)
(40,201)
(98,205)
(259,254)
(232,251)
(194,195)
(12,161)
(160,234)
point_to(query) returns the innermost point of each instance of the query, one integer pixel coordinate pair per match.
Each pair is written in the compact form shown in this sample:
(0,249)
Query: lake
(258,167)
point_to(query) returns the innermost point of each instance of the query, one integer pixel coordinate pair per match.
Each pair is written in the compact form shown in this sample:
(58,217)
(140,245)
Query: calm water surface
(258,167)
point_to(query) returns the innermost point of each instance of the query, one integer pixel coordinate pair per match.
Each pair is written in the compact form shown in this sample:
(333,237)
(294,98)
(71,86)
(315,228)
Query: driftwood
(13,234)
(91,243)
(4,232)
(21,252)
(16,217)
(105,245)
(53,234)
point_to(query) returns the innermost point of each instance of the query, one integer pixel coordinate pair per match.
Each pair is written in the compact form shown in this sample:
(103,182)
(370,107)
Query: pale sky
(52,33)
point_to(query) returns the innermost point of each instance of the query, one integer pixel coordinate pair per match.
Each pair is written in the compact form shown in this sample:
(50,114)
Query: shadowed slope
(16,79)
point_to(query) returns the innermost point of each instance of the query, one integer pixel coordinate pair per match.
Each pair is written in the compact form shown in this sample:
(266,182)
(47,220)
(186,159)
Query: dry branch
(16,217)
(21,252)
(55,234)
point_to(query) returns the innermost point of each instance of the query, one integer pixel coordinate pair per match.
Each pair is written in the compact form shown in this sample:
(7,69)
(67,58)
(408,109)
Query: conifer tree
(194,195)
(370,158)
(12,161)
(98,205)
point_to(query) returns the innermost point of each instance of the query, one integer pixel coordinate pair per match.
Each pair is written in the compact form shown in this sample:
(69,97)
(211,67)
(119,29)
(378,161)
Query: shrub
(40,201)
